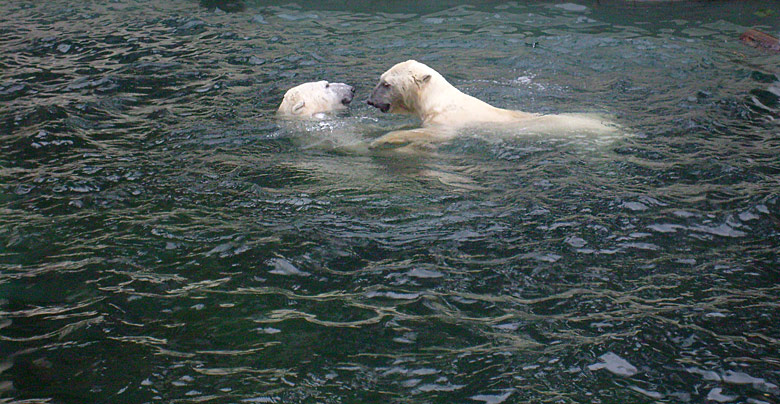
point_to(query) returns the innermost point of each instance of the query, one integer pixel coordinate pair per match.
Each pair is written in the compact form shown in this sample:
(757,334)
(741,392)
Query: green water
(163,238)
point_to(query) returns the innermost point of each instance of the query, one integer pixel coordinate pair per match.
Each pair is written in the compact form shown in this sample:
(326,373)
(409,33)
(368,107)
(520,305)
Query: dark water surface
(164,239)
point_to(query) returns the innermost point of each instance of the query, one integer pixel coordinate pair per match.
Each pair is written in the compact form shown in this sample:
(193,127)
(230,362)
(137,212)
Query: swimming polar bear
(314,99)
(306,116)
(413,88)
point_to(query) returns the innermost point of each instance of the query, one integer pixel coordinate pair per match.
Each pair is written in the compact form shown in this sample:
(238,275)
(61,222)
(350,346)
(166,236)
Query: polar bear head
(309,99)
(402,88)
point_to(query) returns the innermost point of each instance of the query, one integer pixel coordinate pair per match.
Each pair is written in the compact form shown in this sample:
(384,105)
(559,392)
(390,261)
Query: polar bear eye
(327,85)
(386,85)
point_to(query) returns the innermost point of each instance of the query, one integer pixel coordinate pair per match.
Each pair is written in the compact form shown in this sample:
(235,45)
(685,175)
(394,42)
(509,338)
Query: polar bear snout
(345,92)
(384,107)
(347,98)
(380,98)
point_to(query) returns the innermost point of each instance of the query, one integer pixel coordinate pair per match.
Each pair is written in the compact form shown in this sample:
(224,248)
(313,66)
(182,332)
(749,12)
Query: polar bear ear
(422,80)
(298,107)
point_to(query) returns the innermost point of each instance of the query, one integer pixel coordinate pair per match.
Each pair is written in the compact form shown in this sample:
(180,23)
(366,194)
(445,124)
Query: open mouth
(381,107)
(346,100)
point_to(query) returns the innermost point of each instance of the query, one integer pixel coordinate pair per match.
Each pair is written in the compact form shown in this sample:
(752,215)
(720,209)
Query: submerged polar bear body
(413,88)
(313,99)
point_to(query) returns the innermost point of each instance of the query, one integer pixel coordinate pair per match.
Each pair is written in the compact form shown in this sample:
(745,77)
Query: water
(164,238)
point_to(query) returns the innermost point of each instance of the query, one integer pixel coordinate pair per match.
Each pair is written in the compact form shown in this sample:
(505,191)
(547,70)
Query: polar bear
(314,99)
(413,88)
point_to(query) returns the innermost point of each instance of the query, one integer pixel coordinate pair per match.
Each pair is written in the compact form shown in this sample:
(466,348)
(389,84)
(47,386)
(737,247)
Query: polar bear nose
(348,95)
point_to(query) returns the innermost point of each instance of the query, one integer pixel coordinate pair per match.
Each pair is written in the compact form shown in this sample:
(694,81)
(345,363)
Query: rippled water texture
(163,238)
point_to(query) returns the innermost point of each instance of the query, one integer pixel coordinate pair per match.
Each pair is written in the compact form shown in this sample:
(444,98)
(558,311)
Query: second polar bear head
(309,99)
(400,88)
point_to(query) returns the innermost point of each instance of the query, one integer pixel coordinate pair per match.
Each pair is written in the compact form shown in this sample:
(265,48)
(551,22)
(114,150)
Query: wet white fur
(310,100)
(443,109)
